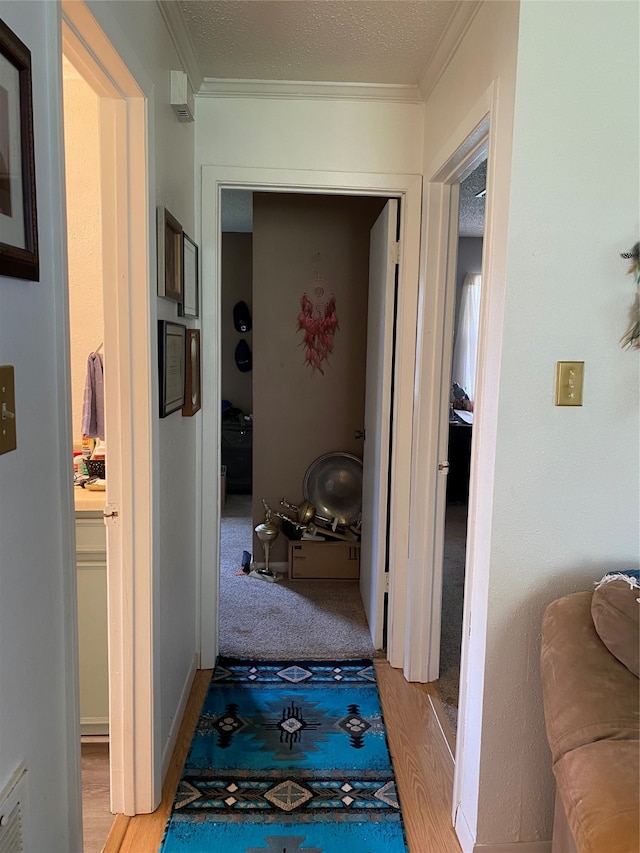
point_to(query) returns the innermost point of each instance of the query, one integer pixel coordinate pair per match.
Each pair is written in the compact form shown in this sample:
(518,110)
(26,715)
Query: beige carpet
(290,619)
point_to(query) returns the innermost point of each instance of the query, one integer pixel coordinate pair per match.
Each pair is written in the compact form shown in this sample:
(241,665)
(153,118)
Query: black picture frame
(190,305)
(171,366)
(18,209)
(170,282)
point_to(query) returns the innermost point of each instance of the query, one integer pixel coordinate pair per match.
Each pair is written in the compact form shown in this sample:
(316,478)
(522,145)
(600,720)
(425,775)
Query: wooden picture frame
(193,382)
(171,366)
(170,283)
(18,210)
(190,306)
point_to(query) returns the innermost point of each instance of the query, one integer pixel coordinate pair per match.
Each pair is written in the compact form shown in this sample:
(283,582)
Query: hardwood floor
(143,833)
(422,762)
(421,757)
(96,817)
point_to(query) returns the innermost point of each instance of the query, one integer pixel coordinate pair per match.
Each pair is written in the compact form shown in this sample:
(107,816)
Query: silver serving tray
(333,484)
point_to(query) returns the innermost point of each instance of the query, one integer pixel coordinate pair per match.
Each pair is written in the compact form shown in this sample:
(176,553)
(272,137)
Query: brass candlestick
(267,532)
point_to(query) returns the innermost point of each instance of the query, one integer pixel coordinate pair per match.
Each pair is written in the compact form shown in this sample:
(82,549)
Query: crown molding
(214,87)
(448,45)
(174,20)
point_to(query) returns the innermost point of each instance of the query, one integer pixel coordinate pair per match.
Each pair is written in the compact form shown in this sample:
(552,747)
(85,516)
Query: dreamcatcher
(631,338)
(318,322)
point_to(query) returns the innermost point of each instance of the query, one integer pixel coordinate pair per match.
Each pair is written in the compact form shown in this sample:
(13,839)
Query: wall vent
(13,802)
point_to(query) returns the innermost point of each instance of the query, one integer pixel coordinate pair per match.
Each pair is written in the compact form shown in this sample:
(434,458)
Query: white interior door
(383,255)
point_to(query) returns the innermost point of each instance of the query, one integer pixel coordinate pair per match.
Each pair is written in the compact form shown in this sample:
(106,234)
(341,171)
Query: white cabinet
(91,563)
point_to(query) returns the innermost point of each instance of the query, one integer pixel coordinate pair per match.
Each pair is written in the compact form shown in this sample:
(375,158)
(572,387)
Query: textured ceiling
(237,210)
(471,215)
(342,41)
(358,41)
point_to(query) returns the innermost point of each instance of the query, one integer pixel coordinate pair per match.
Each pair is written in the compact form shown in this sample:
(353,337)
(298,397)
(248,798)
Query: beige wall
(300,414)
(84,235)
(237,283)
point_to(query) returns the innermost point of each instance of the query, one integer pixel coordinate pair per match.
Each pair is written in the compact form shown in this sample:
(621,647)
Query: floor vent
(12,812)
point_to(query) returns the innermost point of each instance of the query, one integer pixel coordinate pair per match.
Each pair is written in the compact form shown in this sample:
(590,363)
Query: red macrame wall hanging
(318,322)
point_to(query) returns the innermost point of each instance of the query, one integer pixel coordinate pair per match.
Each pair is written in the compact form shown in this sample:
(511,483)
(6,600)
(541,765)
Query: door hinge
(395,252)
(443,466)
(386,582)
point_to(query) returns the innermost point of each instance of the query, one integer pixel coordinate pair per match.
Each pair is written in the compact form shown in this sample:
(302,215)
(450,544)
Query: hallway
(422,762)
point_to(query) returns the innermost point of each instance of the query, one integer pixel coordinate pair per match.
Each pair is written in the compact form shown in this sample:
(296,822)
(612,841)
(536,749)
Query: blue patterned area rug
(288,757)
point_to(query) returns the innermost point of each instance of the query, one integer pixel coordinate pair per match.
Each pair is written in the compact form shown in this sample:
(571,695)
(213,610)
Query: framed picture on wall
(170,284)
(190,306)
(171,366)
(192,401)
(18,215)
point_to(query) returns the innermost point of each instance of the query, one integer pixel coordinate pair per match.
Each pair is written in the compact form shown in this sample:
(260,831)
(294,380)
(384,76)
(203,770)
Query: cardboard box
(320,560)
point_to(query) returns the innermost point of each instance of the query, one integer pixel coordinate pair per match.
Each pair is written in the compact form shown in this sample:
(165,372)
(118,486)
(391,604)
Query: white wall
(38,695)
(556,488)
(138,33)
(573,511)
(322,135)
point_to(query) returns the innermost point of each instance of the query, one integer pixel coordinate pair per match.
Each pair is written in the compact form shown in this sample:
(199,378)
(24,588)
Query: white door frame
(129,267)
(433,377)
(408,188)
(475,138)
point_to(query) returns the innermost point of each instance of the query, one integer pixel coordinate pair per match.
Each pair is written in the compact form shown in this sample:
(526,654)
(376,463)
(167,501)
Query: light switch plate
(7,409)
(569,381)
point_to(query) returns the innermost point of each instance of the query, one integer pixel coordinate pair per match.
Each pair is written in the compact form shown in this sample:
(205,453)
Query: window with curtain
(465,350)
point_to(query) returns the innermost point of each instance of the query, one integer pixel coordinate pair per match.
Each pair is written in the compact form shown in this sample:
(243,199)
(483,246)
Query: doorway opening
(86,330)
(462,401)
(407,188)
(125,223)
(473,143)
(280,251)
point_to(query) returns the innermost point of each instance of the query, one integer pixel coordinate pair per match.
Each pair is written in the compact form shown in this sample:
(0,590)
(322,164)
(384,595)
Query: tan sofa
(591,694)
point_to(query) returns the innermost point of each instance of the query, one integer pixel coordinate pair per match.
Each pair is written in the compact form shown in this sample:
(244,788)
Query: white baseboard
(465,837)
(169,746)
(463,831)
(94,726)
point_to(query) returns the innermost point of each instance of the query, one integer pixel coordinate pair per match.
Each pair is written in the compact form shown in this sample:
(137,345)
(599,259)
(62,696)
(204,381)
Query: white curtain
(465,351)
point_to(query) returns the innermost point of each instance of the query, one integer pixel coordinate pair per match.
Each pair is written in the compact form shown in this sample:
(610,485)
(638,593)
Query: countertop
(88,501)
